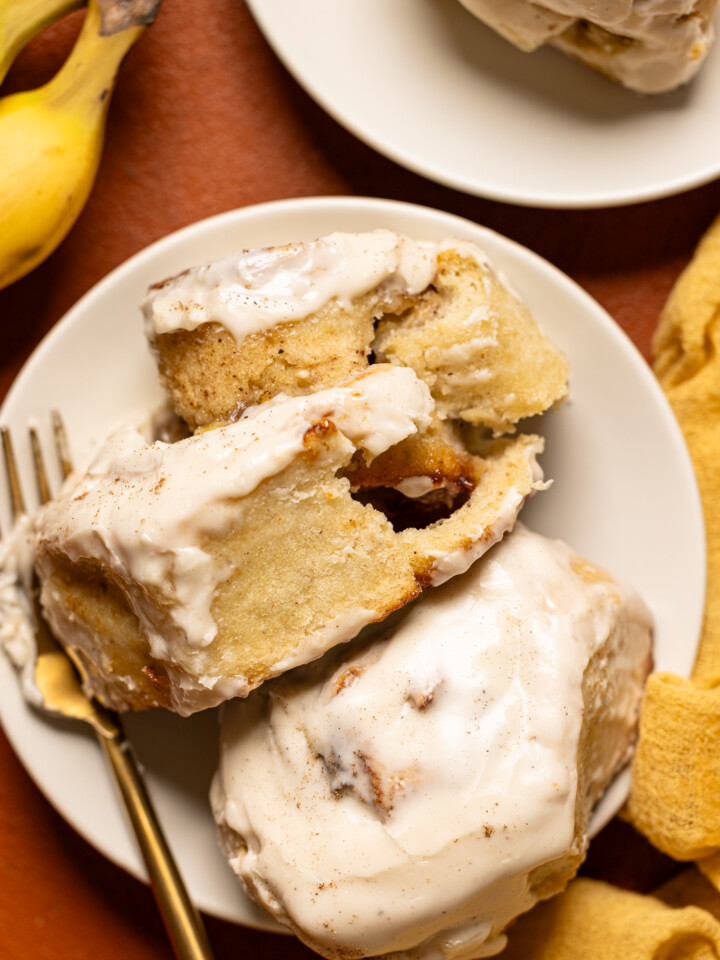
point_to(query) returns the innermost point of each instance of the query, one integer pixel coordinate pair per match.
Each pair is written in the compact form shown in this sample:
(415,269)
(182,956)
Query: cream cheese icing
(415,487)
(648,45)
(17,630)
(396,798)
(252,291)
(143,508)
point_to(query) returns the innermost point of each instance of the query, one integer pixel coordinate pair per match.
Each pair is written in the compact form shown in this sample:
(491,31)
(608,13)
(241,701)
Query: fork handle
(182,921)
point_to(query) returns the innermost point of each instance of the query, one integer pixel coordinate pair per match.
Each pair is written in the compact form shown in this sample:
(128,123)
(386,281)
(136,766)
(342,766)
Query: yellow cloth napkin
(596,921)
(675,797)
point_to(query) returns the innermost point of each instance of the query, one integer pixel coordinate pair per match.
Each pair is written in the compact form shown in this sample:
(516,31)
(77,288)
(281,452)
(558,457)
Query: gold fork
(57,677)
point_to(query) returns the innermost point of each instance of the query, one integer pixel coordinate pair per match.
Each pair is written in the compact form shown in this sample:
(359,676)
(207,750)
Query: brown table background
(205,119)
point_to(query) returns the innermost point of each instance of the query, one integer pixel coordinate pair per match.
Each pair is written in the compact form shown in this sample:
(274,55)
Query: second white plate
(624,495)
(428,85)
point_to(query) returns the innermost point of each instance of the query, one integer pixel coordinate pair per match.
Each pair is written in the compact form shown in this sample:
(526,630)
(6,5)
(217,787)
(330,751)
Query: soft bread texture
(446,315)
(651,46)
(472,341)
(252,578)
(212,378)
(287,319)
(476,346)
(353,796)
(371,497)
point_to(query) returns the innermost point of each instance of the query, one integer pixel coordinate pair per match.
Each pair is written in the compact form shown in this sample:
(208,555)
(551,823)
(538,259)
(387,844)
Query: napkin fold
(675,795)
(686,360)
(675,798)
(596,921)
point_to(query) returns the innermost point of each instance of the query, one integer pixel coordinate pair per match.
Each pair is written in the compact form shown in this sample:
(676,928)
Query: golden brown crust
(307,567)
(121,669)
(309,563)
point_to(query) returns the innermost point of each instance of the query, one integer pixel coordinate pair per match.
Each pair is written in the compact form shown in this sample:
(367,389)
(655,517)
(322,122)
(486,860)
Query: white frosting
(452,563)
(414,487)
(253,291)
(528,25)
(466,361)
(143,509)
(17,631)
(648,45)
(396,797)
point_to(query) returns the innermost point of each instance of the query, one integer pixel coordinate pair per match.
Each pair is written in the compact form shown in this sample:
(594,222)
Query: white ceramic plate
(428,85)
(624,495)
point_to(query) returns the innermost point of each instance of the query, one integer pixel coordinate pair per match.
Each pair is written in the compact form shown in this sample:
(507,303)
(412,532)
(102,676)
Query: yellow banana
(20,20)
(51,138)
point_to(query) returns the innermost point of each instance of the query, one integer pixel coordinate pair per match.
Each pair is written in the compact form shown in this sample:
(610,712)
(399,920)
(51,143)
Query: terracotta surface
(205,119)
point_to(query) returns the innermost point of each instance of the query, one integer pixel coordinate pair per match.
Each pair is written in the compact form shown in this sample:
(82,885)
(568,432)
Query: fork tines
(17,500)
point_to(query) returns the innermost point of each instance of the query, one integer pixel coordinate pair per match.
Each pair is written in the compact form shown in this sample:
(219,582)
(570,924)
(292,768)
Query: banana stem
(21,20)
(87,77)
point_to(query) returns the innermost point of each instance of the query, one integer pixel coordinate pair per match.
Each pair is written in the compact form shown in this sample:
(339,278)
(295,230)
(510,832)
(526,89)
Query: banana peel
(51,138)
(21,20)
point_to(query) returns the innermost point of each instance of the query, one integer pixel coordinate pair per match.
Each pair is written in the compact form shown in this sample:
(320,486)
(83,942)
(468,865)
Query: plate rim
(314,204)
(518,197)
